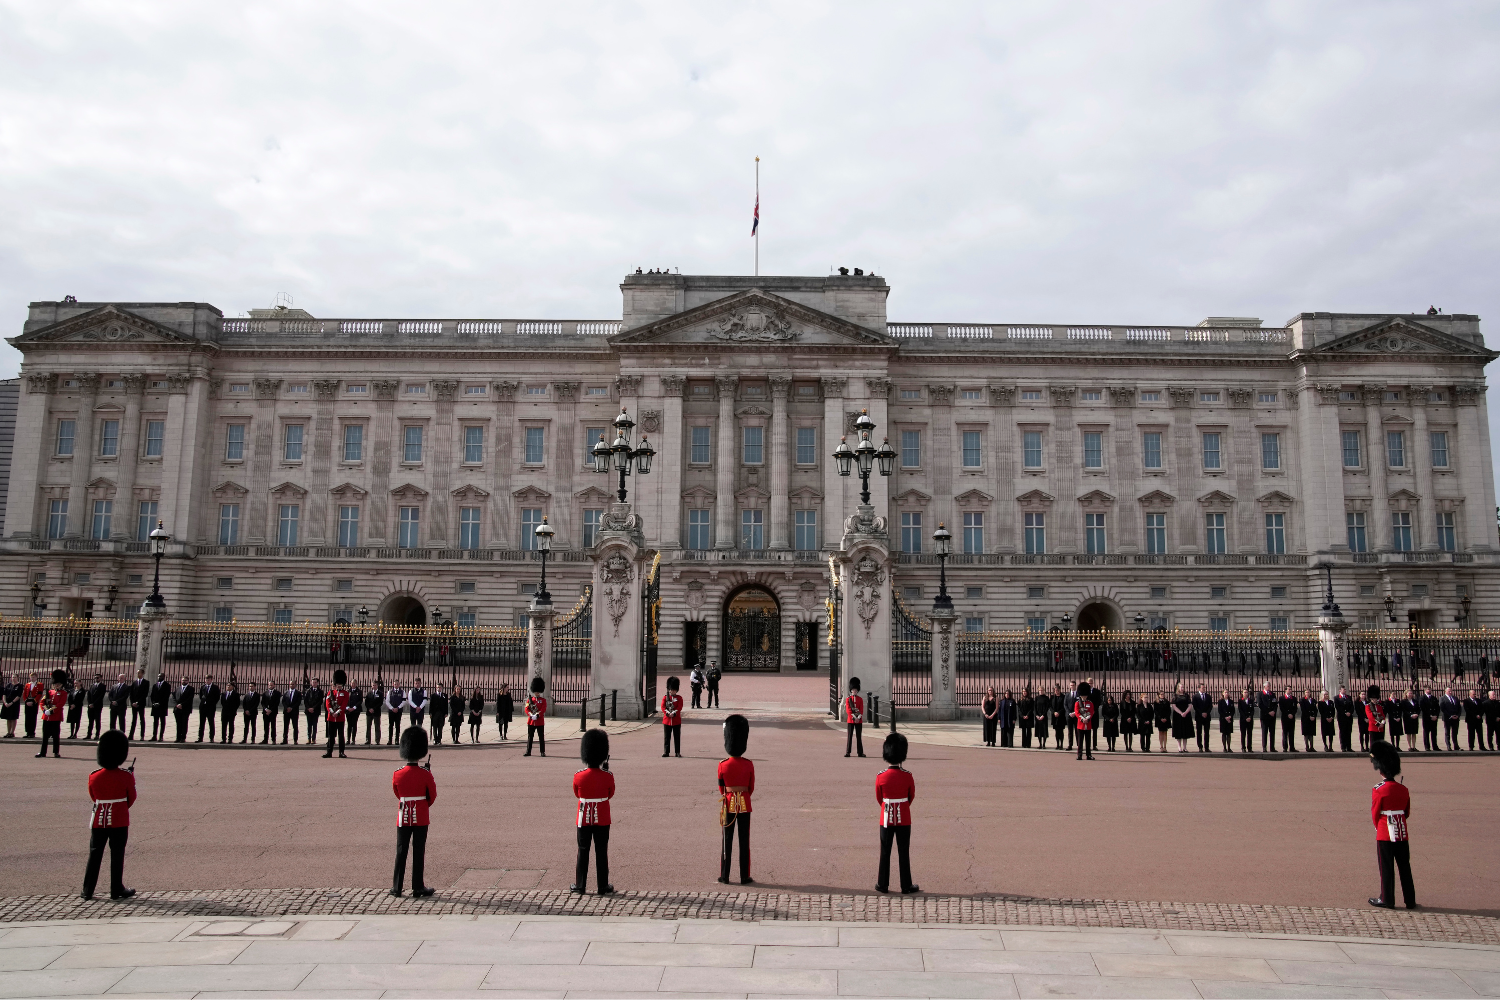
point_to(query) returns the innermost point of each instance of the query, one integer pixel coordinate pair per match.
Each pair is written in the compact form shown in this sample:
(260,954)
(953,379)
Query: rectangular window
(698,453)
(970,394)
(468,619)
(416,390)
(1093,534)
(234,443)
(1278,593)
(411,443)
(591,436)
(806,524)
(229,524)
(973,624)
(468,528)
(807,445)
(971,450)
(1355,522)
(287,520)
(1158,593)
(467,587)
(1350,441)
(1151,397)
(145,520)
(911,393)
(911,593)
(409,528)
(973,532)
(911,449)
(597,390)
(1276,534)
(1280,623)
(292,443)
(1212,458)
(349,526)
(1151,450)
(66,429)
(1401,531)
(1036,534)
(1395,449)
(754,441)
(1208,397)
(1218,623)
(911,531)
(223,615)
(109,439)
(752,530)
(343,586)
(1031,449)
(224,582)
(1036,593)
(1091,394)
(1439,441)
(473,445)
(530,518)
(156,432)
(1036,625)
(698,529)
(1446,537)
(1270,451)
(1093,450)
(1156,534)
(1348,396)
(1267,397)
(481,390)
(1216,542)
(284,583)
(353,390)
(103,515)
(1417,589)
(1218,593)
(536,440)
(281,616)
(591,519)
(1028,395)
(354,442)
(973,593)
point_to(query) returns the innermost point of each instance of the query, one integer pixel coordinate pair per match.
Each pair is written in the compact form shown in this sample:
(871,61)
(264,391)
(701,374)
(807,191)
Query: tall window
(1218,623)
(1093,450)
(911,449)
(698,528)
(411,443)
(468,528)
(1212,458)
(1031,449)
(291,447)
(229,524)
(591,518)
(1036,625)
(1036,534)
(1093,534)
(468,619)
(755,438)
(971,452)
(287,522)
(354,442)
(66,429)
(57,518)
(1401,531)
(109,438)
(806,530)
(281,616)
(591,436)
(1355,523)
(536,442)
(145,520)
(530,518)
(1350,441)
(973,532)
(1151,450)
(807,445)
(1395,449)
(911,531)
(1216,541)
(1439,441)
(473,445)
(1446,537)
(103,515)
(234,443)
(349,526)
(1276,534)
(698,452)
(1270,451)
(409,527)
(752,530)
(1156,534)
(156,432)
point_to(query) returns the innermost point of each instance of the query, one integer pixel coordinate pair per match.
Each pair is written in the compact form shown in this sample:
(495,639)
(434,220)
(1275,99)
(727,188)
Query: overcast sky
(1087,162)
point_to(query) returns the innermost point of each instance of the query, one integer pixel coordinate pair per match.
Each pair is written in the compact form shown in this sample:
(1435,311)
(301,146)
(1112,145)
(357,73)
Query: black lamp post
(1067,621)
(109,598)
(364,615)
(865,454)
(1390,609)
(942,544)
(437,617)
(1330,606)
(1140,623)
(36,598)
(159,539)
(1463,619)
(544,533)
(623,453)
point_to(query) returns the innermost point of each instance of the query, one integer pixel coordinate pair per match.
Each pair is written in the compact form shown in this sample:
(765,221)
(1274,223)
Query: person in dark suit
(208,704)
(1452,711)
(1491,719)
(1203,705)
(1026,714)
(1007,720)
(437,708)
(1326,720)
(1287,704)
(1226,708)
(1266,703)
(356,705)
(1309,710)
(119,703)
(229,711)
(140,695)
(161,696)
(76,697)
(182,708)
(1245,706)
(1411,716)
(1343,711)
(97,693)
(251,708)
(270,709)
(1061,707)
(373,700)
(1432,713)
(1042,718)
(1474,718)
(291,715)
(312,706)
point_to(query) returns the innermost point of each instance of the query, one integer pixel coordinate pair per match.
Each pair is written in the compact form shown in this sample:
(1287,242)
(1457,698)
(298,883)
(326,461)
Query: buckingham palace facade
(1095,475)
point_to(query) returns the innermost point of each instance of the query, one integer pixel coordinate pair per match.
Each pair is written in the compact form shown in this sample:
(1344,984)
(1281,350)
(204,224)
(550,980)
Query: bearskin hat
(894,750)
(736,735)
(413,744)
(595,747)
(113,748)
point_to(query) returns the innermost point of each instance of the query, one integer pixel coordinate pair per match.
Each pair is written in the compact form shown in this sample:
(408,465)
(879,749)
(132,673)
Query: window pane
(1093,450)
(468,527)
(410,528)
(282,616)
(700,446)
(591,436)
(1276,534)
(754,445)
(109,439)
(752,530)
(287,523)
(292,452)
(1401,531)
(1395,447)
(807,445)
(1093,534)
(65,431)
(156,431)
(349,526)
(530,518)
(229,524)
(1031,449)
(103,515)
(1036,534)
(1156,534)
(1351,449)
(806,530)
(1355,522)
(234,447)
(354,442)
(1446,536)
(971,449)
(473,445)
(536,440)
(973,532)
(911,531)
(1439,449)
(1151,450)
(411,444)
(1270,451)
(591,526)
(911,449)
(698,529)
(57,518)
(145,520)
(1211,457)
(1215,542)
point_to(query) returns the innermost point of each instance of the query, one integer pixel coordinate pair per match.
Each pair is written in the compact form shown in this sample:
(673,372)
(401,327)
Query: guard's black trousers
(312,726)
(249,733)
(742,821)
(50,731)
(599,837)
(206,718)
(1395,854)
(416,837)
(1247,732)
(669,735)
(115,837)
(1450,734)
(95,729)
(137,714)
(1429,735)
(540,732)
(855,737)
(226,728)
(290,728)
(335,729)
(902,836)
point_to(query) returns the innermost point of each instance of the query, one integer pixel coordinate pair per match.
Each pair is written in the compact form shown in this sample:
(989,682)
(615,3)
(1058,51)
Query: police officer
(395,701)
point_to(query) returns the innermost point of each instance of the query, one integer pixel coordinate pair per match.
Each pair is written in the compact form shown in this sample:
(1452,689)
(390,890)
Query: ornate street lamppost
(1463,619)
(865,455)
(1330,607)
(544,533)
(942,544)
(364,615)
(1140,624)
(36,599)
(159,539)
(623,453)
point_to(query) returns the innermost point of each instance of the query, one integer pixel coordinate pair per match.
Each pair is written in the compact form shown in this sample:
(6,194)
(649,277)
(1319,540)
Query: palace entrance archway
(404,610)
(752,630)
(1098,616)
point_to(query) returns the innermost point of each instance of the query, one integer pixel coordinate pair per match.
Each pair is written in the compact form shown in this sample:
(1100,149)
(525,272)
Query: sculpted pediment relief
(1157,498)
(229,489)
(752,497)
(912,498)
(469,492)
(1096,498)
(289,489)
(1216,498)
(754,317)
(407,491)
(348,490)
(1401,336)
(974,497)
(699,495)
(106,325)
(594,495)
(101,484)
(807,495)
(527,493)
(1035,497)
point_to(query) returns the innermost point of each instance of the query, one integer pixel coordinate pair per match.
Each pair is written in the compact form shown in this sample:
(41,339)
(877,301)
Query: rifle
(131,768)
(428,762)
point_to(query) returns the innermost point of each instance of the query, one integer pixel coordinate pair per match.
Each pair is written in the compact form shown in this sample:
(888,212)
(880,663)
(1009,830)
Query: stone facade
(1193,475)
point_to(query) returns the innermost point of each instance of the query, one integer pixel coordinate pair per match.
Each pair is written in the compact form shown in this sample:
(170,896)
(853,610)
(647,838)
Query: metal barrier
(573,651)
(82,646)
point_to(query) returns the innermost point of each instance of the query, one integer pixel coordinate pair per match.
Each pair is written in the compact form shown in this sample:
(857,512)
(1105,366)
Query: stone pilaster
(148,640)
(83,456)
(944,704)
(1379,532)
(780,459)
(725,462)
(1419,458)
(123,527)
(864,581)
(539,642)
(619,559)
(667,469)
(1332,632)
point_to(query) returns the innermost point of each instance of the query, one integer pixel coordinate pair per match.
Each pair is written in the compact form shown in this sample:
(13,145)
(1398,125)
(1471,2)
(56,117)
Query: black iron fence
(573,651)
(911,656)
(84,646)
(1436,658)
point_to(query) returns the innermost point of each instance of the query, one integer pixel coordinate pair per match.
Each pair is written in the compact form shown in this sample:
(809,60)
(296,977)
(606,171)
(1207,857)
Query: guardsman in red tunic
(1083,716)
(415,791)
(671,717)
(536,716)
(1374,715)
(112,792)
(1390,807)
(31,698)
(52,704)
(854,718)
(593,787)
(336,709)
(895,790)
(736,785)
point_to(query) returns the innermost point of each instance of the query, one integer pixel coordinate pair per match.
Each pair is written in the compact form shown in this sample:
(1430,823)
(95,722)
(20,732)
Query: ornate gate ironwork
(650,633)
(694,644)
(572,651)
(911,656)
(834,605)
(807,645)
(752,640)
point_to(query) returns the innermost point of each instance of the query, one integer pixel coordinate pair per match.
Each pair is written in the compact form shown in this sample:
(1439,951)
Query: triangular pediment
(407,491)
(751,496)
(699,495)
(912,498)
(1216,498)
(754,316)
(1399,336)
(106,325)
(1035,497)
(973,497)
(102,484)
(593,495)
(1157,498)
(469,492)
(1275,498)
(289,489)
(806,495)
(348,490)
(229,489)
(526,493)
(1096,498)
(1407,495)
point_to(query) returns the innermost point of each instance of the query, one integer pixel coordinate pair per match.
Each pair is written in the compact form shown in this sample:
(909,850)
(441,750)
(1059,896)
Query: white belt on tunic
(406,814)
(892,811)
(588,809)
(1395,823)
(103,812)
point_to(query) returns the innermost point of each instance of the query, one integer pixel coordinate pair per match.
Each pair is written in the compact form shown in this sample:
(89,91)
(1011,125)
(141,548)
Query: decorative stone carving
(755,322)
(849,417)
(1328,395)
(469,492)
(289,490)
(178,383)
(1467,395)
(325,388)
(781,386)
(1239,398)
(265,388)
(566,391)
(229,489)
(1417,394)
(444,388)
(695,595)
(88,384)
(833,388)
(942,395)
(1293,393)
(628,385)
(1182,395)
(945,649)
(807,597)
(614,578)
(505,392)
(1372,394)
(134,384)
(726,385)
(1002,395)
(348,490)
(1157,500)
(41,383)
(868,588)
(879,388)
(406,491)
(1062,395)
(651,421)
(385,388)
(1275,501)
(673,385)
(1122,395)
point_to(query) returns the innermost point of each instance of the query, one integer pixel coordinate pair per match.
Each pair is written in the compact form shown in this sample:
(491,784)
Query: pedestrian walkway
(508,956)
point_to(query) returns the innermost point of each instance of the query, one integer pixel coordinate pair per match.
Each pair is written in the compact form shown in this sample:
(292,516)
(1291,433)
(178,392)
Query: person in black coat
(119,703)
(251,707)
(1043,710)
(374,700)
(312,707)
(457,703)
(1127,720)
(1411,717)
(161,697)
(1452,711)
(229,711)
(208,704)
(989,714)
(1203,705)
(1432,714)
(1162,716)
(1309,709)
(355,705)
(1110,713)
(98,693)
(505,710)
(1474,718)
(140,696)
(1007,720)
(437,707)
(1326,720)
(476,713)
(1062,706)
(1226,708)
(1343,712)
(182,708)
(1265,703)
(1245,708)
(291,714)
(1491,719)
(1026,712)
(76,698)
(1287,706)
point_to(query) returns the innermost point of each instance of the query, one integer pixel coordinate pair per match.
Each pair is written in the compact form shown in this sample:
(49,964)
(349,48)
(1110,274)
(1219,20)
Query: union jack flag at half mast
(755,220)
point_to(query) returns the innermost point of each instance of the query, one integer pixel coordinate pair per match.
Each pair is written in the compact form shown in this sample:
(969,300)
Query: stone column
(539,642)
(864,581)
(1332,631)
(33,423)
(383,455)
(780,458)
(123,528)
(1380,535)
(258,526)
(834,500)
(670,459)
(1318,438)
(442,458)
(944,704)
(564,461)
(725,536)
(504,460)
(1419,458)
(187,429)
(1474,467)
(153,622)
(323,439)
(619,566)
(83,457)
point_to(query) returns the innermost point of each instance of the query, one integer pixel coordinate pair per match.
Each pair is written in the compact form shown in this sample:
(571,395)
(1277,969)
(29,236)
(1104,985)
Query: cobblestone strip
(1420,925)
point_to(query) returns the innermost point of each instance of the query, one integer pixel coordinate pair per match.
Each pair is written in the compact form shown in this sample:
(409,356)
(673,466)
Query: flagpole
(757,210)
